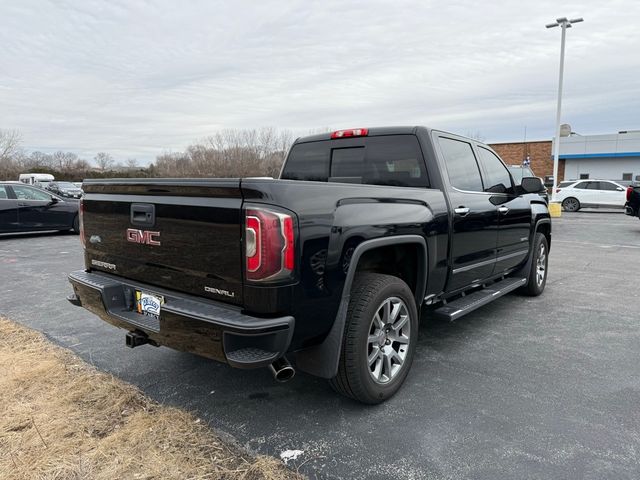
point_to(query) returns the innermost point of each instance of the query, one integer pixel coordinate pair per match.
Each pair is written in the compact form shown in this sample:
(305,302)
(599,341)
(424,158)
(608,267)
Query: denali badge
(142,236)
(98,263)
(217,291)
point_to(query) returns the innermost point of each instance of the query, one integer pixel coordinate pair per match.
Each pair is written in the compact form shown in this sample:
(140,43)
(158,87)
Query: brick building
(539,153)
(613,156)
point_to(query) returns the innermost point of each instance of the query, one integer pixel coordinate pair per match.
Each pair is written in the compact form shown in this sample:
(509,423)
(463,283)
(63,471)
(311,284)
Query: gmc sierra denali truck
(330,264)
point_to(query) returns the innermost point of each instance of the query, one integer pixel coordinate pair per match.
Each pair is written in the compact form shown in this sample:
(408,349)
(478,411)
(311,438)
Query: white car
(578,194)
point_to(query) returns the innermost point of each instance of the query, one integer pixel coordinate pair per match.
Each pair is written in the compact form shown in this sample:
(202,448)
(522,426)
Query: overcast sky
(136,78)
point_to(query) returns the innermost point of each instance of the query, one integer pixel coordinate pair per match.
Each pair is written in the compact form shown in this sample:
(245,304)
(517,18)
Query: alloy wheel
(541,265)
(388,341)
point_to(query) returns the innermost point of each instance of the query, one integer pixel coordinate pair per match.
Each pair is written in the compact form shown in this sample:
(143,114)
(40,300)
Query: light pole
(564,23)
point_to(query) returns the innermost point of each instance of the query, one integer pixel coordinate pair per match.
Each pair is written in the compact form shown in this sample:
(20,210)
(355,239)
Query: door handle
(22,204)
(462,211)
(503,210)
(143,214)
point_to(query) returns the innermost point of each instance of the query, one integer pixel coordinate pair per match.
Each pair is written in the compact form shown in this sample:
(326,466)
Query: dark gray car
(65,189)
(25,208)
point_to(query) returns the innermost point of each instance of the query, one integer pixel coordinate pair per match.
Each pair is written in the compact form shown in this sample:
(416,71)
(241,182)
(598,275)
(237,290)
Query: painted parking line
(601,245)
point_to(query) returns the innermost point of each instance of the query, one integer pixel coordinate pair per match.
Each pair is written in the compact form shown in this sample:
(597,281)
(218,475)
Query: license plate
(148,304)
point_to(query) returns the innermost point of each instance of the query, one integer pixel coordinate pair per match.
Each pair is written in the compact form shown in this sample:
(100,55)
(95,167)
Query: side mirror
(54,199)
(532,185)
(620,189)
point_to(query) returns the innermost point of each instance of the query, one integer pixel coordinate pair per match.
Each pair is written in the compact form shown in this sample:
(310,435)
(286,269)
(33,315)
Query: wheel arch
(322,360)
(543,226)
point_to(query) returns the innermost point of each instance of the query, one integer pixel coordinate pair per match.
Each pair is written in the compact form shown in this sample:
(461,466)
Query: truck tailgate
(179,234)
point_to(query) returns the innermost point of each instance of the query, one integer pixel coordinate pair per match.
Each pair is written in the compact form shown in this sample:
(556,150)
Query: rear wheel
(571,204)
(537,278)
(76,225)
(379,339)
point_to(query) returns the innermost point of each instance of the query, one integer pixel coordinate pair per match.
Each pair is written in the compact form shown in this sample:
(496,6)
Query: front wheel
(537,278)
(379,339)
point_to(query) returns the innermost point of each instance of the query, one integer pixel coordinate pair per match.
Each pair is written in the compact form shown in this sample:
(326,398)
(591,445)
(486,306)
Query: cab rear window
(394,160)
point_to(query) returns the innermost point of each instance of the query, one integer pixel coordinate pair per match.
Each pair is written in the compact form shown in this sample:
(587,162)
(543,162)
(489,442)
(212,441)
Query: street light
(564,23)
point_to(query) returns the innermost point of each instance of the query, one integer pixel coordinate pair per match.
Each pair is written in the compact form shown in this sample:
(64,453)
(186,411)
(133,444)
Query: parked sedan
(25,208)
(591,193)
(65,189)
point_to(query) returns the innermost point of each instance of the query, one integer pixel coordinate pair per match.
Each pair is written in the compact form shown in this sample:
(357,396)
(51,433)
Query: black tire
(76,225)
(369,295)
(536,284)
(571,204)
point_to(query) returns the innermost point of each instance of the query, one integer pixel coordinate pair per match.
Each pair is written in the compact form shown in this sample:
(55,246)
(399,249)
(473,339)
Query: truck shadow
(47,233)
(216,390)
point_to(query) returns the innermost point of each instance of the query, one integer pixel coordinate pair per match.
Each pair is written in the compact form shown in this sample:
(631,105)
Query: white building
(611,157)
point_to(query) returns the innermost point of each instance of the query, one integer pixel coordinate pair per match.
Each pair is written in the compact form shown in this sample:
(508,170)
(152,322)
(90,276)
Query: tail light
(558,190)
(352,132)
(269,244)
(81,222)
(629,191)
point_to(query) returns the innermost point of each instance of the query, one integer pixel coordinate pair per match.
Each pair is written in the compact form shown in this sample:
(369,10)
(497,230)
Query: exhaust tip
(285,374)
(282,370)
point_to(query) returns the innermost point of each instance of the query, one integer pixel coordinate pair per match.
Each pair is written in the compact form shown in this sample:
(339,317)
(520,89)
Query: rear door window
(3,193)
(29,193)
(608,186)
(394,160)
(462,168)
(582,185)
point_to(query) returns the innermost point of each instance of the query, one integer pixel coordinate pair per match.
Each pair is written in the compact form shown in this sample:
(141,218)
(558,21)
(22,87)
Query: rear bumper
(186,322)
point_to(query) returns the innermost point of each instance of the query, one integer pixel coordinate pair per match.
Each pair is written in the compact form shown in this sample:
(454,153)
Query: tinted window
(608,186)
(496,179)
(581,185)
(3,193)
(394,160)
(565,184)
(347,162)
(462,167)
(28,193)
(593,186)
(308,161)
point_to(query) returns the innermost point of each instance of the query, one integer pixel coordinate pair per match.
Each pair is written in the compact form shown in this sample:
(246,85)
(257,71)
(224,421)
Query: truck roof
(375,131)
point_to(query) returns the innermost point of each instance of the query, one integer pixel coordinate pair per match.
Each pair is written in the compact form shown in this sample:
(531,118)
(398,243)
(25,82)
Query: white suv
(577,194)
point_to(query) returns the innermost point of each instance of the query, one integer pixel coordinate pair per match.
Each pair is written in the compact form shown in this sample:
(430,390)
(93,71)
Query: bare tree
(229,153)
(131,163)
(104,161)
(11,153)
(10,144)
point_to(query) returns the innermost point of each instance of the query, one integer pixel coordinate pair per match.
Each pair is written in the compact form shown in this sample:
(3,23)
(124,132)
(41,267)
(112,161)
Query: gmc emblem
(142,236)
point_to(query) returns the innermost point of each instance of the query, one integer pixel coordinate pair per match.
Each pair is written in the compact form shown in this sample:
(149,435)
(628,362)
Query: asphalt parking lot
(545,387)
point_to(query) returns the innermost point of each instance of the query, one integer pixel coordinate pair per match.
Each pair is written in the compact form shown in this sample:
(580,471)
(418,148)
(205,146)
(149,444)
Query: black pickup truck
(632,207)
(330,264)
